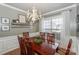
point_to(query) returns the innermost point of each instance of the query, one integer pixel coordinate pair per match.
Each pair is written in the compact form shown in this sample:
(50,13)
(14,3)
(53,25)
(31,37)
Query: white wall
(8,44)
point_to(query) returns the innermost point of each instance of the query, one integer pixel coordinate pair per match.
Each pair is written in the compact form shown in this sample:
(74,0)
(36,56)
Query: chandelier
(33,15)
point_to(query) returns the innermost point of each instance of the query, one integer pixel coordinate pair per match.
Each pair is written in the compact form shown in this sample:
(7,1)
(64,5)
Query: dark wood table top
(43,49)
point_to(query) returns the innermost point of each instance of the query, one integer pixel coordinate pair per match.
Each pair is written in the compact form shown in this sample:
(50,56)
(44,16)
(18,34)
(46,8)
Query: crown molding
(48,13)
(62,9)
(9,6)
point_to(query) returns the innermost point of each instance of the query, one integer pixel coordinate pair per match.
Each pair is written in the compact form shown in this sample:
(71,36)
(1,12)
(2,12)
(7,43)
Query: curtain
(65,32)
(68,25)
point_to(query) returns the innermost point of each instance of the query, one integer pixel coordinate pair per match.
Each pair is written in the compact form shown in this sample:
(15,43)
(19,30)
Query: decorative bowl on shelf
(38,40)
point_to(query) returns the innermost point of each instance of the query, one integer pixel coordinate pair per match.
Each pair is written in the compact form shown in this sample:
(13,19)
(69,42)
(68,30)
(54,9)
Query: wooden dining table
(42,49)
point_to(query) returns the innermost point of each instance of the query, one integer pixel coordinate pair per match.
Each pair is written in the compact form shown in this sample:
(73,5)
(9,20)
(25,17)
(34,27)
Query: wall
(8,43)
(36,27)
(11,14)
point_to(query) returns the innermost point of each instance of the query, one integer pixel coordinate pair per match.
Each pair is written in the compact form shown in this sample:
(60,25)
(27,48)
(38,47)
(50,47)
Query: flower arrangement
(38,40)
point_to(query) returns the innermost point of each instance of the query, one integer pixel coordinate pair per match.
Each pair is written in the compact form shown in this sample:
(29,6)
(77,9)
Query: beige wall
(12,14)
(36,27)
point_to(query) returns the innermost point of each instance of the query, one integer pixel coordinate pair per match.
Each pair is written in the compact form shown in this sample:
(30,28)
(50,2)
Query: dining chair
(25,34)
(51,38)
(68,47)
(28,43)
(42,35)
(22,46)
(29,48)
(67,51)
(25,46)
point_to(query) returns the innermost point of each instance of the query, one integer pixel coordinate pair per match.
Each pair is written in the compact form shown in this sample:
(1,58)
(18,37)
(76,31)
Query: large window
(46,24)
(53,23)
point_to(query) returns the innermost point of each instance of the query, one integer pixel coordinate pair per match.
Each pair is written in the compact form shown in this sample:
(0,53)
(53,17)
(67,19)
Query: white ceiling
(43,7)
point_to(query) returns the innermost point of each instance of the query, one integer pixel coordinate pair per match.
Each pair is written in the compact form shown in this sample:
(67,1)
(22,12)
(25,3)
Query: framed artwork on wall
(5,28)
(22,18)
(5,20)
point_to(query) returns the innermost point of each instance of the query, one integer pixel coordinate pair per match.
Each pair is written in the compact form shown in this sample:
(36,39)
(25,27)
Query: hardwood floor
(14,52)
(17,52)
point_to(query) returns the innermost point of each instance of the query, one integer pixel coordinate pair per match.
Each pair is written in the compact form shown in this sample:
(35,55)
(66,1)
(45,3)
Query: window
(51,24)
(46,24)
(57,22)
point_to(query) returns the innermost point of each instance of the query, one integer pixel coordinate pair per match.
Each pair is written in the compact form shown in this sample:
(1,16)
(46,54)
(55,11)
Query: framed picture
(5,28)
(5,20)
(22,18)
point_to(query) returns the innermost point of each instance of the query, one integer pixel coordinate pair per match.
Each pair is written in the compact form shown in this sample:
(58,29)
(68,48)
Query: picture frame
(5,20)
(22,18)
(5,28)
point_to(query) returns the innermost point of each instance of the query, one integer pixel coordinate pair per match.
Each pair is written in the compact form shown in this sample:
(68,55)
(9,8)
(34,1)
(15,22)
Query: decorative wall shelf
(20,25)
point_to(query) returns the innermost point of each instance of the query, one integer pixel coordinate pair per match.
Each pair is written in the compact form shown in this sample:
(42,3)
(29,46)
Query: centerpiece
(38,40)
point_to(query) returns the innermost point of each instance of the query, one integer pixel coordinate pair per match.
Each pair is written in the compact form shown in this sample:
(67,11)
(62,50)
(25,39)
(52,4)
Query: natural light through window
(53,23)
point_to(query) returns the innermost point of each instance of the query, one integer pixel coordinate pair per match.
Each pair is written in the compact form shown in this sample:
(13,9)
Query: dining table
(42,49)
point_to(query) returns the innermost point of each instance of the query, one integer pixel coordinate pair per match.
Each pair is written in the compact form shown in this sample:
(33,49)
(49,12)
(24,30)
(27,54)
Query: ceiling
(43,7)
